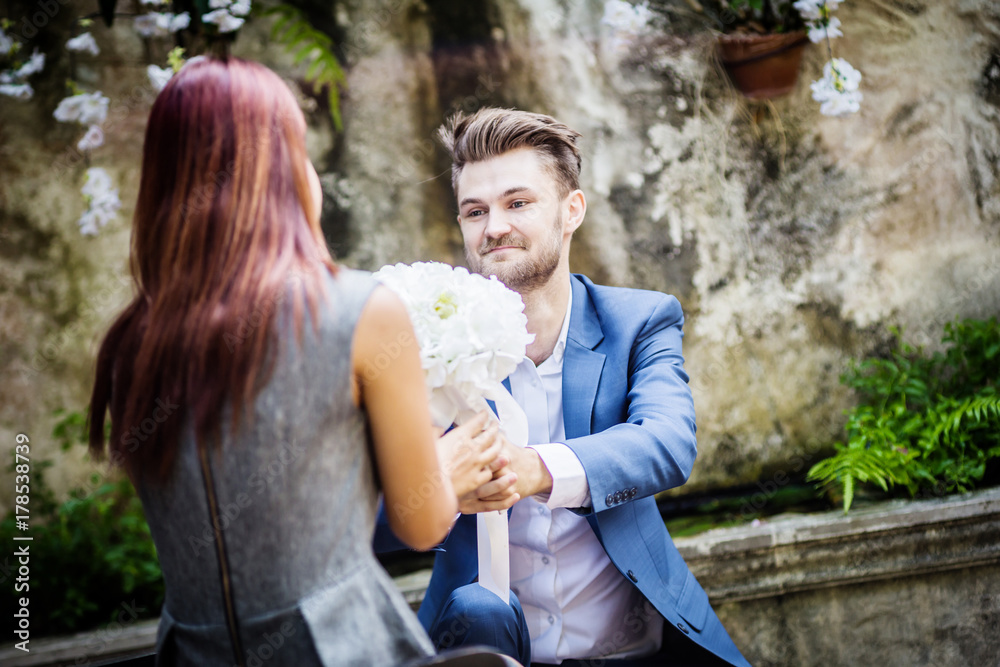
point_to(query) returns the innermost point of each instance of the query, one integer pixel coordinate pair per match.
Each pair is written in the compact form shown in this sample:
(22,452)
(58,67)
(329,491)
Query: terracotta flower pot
(762,66)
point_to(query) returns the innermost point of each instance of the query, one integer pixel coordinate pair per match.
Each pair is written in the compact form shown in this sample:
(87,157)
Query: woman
(258,395)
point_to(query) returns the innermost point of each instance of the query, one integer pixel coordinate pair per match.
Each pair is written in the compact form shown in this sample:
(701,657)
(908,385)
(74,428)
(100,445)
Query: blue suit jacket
(629,418)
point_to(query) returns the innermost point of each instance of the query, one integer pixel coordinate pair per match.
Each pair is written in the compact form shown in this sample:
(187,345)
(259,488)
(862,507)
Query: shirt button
(551,619)
(682,628)
(541,510)
(610,500)
(545,559)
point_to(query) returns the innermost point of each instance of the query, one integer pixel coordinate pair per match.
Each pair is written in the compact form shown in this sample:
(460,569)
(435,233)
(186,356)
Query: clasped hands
(487,471)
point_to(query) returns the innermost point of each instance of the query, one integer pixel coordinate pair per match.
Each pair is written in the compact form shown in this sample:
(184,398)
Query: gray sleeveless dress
(297,496)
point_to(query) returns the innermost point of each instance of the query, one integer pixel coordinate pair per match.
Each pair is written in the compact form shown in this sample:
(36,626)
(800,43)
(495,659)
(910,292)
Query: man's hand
(524,475)
(470,454)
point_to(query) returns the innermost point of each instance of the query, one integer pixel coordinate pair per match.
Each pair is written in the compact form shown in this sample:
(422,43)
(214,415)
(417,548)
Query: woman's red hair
(224,228)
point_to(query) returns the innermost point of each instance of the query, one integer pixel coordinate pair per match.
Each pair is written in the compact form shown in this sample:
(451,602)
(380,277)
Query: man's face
(512,220)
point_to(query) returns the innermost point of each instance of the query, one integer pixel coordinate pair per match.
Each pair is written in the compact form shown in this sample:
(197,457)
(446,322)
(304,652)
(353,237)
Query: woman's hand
(470,453)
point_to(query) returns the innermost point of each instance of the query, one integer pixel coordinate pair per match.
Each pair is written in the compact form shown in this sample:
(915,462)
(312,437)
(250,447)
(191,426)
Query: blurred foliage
(294,31)
(758,16)
(926,423)
(89,555)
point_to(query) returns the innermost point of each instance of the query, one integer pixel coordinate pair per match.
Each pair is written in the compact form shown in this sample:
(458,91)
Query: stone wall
(793,240)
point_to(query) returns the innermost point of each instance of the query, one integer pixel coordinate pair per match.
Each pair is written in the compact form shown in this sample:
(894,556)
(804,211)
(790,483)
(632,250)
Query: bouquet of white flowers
(472,333)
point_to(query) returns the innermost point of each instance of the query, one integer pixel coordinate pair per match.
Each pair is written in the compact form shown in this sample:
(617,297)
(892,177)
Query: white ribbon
(491,527)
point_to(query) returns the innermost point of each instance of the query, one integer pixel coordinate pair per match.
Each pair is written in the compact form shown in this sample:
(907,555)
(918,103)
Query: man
(594,574)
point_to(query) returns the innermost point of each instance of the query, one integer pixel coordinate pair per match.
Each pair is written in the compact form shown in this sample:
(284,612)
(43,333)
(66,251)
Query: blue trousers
(472,616)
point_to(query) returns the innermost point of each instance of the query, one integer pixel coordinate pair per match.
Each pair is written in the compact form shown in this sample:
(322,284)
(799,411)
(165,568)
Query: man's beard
(524,275)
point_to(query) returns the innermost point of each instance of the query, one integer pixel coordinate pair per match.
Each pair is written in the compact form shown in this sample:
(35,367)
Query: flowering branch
(838,90)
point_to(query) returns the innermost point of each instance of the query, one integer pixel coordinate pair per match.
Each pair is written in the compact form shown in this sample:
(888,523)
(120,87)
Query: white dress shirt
(576,603)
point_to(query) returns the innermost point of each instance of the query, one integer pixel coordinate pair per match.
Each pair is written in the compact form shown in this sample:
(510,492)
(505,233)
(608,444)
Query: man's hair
(491,132)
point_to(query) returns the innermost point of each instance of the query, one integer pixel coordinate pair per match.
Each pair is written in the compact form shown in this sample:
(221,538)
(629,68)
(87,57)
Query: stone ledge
(793,553)
(787,554)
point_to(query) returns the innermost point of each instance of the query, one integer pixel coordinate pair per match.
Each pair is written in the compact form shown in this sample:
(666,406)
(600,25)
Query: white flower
(813,10)
(240,8)
(161,24)
(819,31)
(86,109)
(21,91)
(35,64)
(179,22)
(6,43)
(146,24)
(102,199)
(838,89)
(809,9)
(93,138)
(83,43)
(626,17)
(159,76)
(225,21)
(219,4)
(155,3)
(472,332)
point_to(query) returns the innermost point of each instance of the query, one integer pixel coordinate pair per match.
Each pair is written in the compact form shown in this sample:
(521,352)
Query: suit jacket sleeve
(653,448)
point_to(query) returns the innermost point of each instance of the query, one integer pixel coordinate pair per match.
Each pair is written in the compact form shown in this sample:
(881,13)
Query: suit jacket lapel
(582,366)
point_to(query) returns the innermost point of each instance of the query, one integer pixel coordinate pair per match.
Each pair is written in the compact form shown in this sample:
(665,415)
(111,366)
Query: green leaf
(848,492)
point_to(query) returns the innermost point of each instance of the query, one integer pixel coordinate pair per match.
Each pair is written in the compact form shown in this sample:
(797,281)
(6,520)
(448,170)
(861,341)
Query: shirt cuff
(569,480)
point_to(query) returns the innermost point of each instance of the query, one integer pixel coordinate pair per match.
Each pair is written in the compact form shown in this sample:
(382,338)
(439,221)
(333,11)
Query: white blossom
(155,3)
(240,8)
(102,201)
(472,332)
(838,89)
(813,10)
(161,24)
(179,22)
(219,4)
(225,21)
(85,108)
(626,17)
(159,76)
(93,138)
(21,91)
(819,31)
(83,43)
(6,43)
(35,64)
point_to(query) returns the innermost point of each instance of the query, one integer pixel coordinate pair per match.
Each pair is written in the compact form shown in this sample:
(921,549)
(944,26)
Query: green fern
(296,34)
(923,422)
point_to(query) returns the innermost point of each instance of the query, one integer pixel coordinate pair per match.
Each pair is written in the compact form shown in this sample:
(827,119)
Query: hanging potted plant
(761,50)
(761,45)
